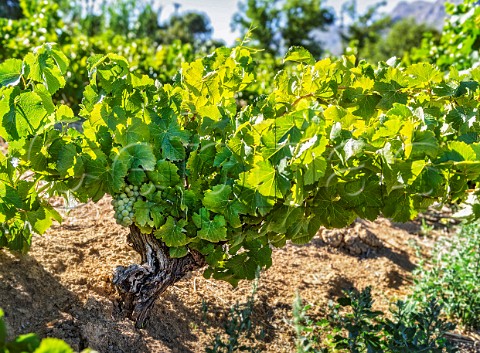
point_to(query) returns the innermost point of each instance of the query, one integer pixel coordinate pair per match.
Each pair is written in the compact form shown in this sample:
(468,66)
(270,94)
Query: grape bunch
(123,205)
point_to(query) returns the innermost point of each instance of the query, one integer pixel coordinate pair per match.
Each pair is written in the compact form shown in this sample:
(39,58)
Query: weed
(352,326)
(415,331)
(425,229)
(239,330)
(305,328)
(454,276)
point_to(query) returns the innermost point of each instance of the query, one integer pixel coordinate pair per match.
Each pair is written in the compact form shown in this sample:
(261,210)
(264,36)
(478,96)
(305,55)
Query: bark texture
(139,285)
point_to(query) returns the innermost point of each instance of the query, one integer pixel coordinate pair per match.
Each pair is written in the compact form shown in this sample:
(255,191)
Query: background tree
(282,24)
(263,15)
(139,19)
(147,23)
(404,35)
(10,9)
(363,30)
(189,27)
(373,36)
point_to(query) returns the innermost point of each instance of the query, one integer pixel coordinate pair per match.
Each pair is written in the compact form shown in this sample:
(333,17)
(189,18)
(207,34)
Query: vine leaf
(210,230)
(10,72)
(172,233)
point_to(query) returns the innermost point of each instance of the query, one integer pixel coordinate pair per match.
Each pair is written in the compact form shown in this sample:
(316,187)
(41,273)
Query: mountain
(431,13)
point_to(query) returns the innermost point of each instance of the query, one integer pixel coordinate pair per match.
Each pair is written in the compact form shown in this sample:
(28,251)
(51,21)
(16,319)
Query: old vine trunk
(139,285)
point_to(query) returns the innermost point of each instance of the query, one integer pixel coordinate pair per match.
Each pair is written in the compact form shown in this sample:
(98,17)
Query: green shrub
(412,330)
(453,276)
(352,326)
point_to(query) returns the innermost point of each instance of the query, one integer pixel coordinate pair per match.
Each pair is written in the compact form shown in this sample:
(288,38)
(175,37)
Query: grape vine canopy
(203,181)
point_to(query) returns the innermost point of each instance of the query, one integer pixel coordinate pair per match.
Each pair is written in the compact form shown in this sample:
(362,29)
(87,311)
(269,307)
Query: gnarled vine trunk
(139,285)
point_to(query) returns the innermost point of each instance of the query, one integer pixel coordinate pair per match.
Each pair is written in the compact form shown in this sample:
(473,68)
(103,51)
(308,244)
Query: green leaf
(242,266)
(459,151)
(267,180)
(391,93)
(178,252)
(173,150)
(367,105)
(36,153)
(8,125)
(462,117)
(445,89)
(252,201)
(44,69)
(147,189)
(142,213)
(39,220)
(333,212)
(364,195)
(10,196)
(210,113)
(425,143)
(211,230)
(466,87)
(299,54)
(278,221)
(138,80)
(165,174)
(430,182)
(240,145)
(53,345)
(21,114)
(156,212)
(399,206)
(10,72)
(232,213)
(172,233)
(64,114)
(47,99)
(135,132)
(142,156)
(167,127)
(66,160)
(137,177)
(120,166)
(222,157)
(25,343)
(98,179)
(110,72)
(424,74)
(218,198)
(314,171)
(60,59)
(30,113)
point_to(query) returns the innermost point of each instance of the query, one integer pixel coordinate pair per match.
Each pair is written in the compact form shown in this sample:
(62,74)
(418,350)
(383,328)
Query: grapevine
(202,180)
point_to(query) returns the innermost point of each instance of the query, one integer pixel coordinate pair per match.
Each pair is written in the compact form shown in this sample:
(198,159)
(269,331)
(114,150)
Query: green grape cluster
(123,205)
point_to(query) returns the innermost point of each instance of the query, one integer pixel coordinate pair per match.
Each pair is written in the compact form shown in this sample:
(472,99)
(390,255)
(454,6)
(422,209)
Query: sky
(220,12)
